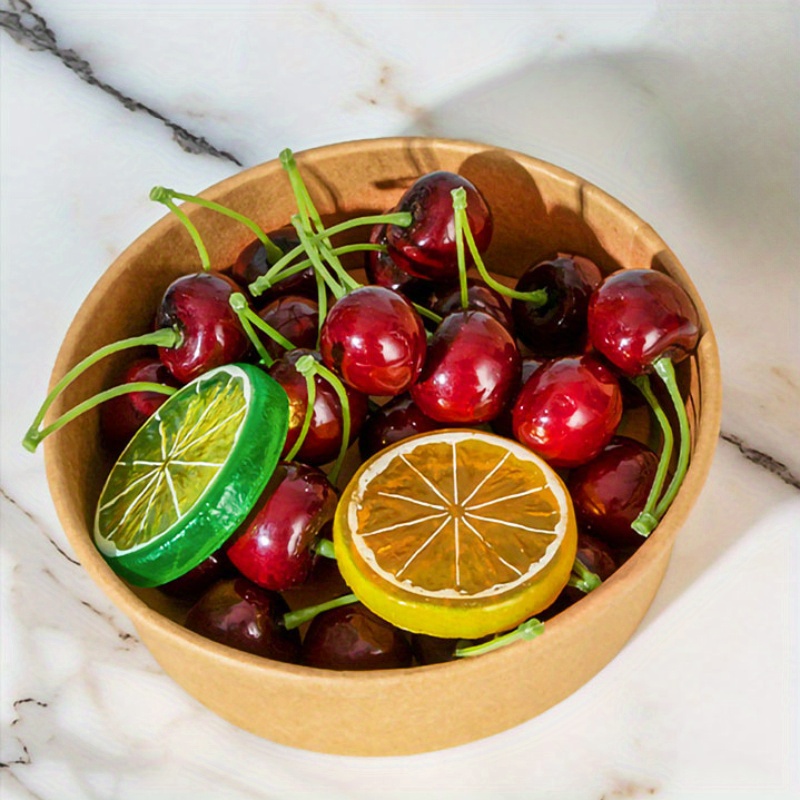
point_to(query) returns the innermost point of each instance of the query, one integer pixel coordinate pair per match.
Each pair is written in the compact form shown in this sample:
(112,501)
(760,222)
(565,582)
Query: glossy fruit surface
(558,328)
(456,533)
(639,315)
(398,419)
(324,437)
(383,269)
(241,615)
(374,339)
(428,247)
(122,416)
(611,490)
(191,474)
(568,410)
(201,578)
(197,306)
(503,423)
(480,297)
(295,317)
(471,369)
(351,637)
(274,548)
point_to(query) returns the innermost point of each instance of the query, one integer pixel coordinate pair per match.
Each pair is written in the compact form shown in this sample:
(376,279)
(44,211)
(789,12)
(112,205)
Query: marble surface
(687,112)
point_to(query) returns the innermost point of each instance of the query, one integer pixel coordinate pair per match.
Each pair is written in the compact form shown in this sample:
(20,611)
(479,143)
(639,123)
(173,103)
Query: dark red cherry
(568,410)
(427,248)
(432,649)
(382,269)
(374,339)
(252,263)
(558,328)
(198,307)
(397,420)
(122,416)
(471,370)
(353,638)
(480,297)
(274,547)
(611,490)
(503,423)
(324,437)
(637,316)
(239,614)
(295,317)
(198,580)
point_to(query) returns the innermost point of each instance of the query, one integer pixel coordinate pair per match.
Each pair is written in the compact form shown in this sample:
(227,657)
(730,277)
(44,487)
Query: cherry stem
(165,337)
(426,312)
(274,253)
(311,399)
(309,365)
(322,304)
(294,619)
(459,205)
(249,318)
(536,299)
(529,629)
(161,195)
(307,241)
(666,371)
(582,578)
(648,518)
(400,218)
(324,547)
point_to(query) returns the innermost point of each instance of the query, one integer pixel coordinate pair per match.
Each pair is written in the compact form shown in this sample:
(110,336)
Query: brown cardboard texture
(539,209)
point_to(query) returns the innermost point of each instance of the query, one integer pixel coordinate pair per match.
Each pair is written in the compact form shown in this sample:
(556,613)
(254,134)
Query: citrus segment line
(455,480)
(178,451)
(491,549)
(456,543)
(509,524)
(487,477)
(129,488)
(433,488)
(155,476)
(406,524)
(506,497)
(168,475)
(422,547)
(411,500)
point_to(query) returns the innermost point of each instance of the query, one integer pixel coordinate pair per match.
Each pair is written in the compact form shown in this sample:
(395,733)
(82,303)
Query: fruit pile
(494,488)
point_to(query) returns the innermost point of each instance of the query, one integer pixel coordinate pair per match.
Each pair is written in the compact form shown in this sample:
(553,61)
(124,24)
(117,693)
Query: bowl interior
(538,209)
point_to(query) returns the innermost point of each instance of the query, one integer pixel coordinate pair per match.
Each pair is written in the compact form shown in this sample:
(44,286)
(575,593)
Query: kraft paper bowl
(538,209)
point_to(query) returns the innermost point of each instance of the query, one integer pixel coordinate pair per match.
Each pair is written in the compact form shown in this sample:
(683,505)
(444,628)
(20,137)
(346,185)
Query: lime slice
(191,474)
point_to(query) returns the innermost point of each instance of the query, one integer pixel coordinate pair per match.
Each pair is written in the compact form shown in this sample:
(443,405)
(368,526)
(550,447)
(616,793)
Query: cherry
(324,437)
(503,423)
(239,614)
(557,328)
(610,491)
(383,269)
(470,372)
(274,548)
(294,317)
(427,248)
(432,649)
(353,638)
(122,416)
(198,580)
(197,306)
(568,410)
(399,419)
(374,338)
(480,297)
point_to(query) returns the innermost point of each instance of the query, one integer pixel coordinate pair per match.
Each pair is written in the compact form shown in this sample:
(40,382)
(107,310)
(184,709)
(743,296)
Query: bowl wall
(538,209)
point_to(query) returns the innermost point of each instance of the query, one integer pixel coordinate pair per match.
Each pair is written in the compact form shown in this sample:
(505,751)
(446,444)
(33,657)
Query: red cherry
(558,328)
(193,583)
(383,269)
(197,306)
(122,416)
(480,297)
(274,548)
(239,614)
(427,248)
(374,339)
(568,410)
(294,317)
(397,420)
(610,491)
(470,372)
(637,316)
(503,423)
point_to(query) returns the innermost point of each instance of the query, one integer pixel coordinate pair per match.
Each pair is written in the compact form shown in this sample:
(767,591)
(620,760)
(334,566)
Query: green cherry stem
(309,365)
(426,312)
(294,619)
(274,253)
(666,371)
(324,547)
(648,517)
(165,337)
(161,195)
(308,243)
(537,298)
(311,399)
(249,318)
(459,205)
(582,578)
(529,629)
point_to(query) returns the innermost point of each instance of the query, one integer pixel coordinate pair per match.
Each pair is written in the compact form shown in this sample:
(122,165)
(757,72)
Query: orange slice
(456,533)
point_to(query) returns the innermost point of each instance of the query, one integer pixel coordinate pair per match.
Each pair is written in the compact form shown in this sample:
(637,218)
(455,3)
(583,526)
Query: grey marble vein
(30,29)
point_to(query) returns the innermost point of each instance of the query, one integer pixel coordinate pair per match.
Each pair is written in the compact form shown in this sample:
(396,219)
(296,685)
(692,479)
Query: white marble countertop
(687,112)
